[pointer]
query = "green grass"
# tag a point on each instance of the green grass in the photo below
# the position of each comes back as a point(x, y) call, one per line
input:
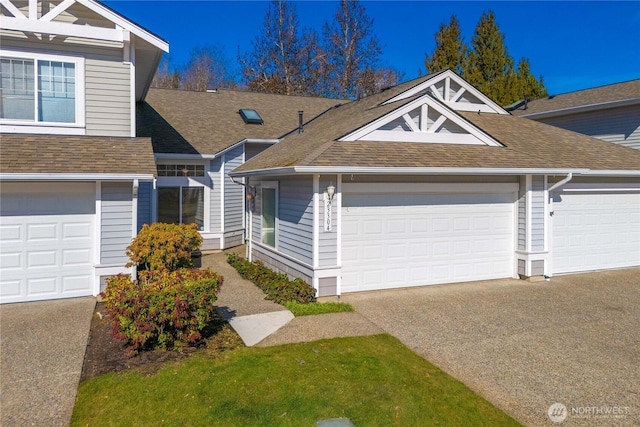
point(314, 308)
point(374, 381)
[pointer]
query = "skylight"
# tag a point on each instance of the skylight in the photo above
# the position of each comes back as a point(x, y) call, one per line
point(251, 116)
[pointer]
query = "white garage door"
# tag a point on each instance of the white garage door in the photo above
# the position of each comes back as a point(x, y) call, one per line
point(401, 240)
point(46, 240)
point(595, 231)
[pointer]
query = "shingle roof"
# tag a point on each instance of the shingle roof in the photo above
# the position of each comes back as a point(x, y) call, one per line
point(187, 122)
point(526, 144)
point(59, 154)
point(598, 95)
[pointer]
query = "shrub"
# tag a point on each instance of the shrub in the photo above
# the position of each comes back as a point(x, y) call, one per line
point(164, 246)
point(277, 286)
point(166, 309)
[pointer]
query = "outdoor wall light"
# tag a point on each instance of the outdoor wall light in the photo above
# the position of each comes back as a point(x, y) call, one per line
point(331, 190)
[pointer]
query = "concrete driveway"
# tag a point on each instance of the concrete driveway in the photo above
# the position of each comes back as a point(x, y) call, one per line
point(525, 346)
point(42, 349)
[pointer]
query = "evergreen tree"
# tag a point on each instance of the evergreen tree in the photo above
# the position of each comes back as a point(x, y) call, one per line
point(450, 51)
point(528, 85)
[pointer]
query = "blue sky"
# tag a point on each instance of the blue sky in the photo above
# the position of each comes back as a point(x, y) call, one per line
point(574, 44)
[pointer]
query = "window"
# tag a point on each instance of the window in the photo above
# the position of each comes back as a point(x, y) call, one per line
point(269, 213)
point(181, 205)
point(180, 170)
point(40, 90)
point(251, 116)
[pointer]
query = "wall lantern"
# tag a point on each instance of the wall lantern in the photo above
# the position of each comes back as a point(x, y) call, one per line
point(328, 199)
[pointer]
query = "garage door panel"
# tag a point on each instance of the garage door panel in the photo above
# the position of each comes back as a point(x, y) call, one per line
point(423, 239)
point(46, 241)
point(595, 231)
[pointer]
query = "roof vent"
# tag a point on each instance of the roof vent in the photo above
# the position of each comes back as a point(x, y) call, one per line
point(250, 116)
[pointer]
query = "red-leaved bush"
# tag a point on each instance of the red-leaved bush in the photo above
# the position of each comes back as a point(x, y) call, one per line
point(166, 309)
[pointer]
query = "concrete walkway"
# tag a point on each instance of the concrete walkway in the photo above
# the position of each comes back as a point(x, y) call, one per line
point(264, 323)
point(38, 376)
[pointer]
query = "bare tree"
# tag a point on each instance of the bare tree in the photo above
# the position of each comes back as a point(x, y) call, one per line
point(277, 62)
point(207, 69)
point(351, 49)
point(164, 77)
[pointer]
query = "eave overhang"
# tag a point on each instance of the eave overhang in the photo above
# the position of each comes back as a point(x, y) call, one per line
point(582, 109)
point(216, 155)
point(74, 177)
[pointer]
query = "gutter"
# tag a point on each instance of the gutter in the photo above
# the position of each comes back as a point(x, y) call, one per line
point(74, 177)
point(406, 171)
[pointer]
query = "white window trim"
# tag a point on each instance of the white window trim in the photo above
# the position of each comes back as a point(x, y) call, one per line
point(271, 185)
point(27, 126)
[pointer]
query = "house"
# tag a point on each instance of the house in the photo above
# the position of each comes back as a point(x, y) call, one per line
point(611, 112)
point(198, 138)
point(431, 182)
point(71, 164)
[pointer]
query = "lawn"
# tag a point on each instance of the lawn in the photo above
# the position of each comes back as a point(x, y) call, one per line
point(374, 381)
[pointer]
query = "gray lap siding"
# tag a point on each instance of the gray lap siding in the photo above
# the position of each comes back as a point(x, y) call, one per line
point(116, 222)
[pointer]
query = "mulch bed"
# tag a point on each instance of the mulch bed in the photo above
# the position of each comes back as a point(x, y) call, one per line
point(106, 354)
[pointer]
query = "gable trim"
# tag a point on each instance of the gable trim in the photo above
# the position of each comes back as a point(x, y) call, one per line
point(420, 133)
point(451, 100)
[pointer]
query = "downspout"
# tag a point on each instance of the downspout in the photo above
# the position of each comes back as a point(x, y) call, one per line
point(561, 182)
point(548, 236)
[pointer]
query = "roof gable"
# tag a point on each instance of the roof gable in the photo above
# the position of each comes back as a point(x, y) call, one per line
point(422, 120)
point(453, 91)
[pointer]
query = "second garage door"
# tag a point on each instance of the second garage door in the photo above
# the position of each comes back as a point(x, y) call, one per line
point(400, 240)
point(595, 231)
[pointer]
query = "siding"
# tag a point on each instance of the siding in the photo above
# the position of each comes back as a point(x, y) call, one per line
point(522, 215)
point(107, 98)
point(144, 203)
point(295, 218)
point(328, 240)
point(233, 193)
point(295, 213)
point(215, 213)
point(537, 213)
point(620, 125)
point(115, 223)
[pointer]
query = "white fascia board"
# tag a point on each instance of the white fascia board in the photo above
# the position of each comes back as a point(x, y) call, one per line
point(406, 171)
point(621, 173)
point(582, 108)
point(176, 156)
point(406, 108)
point(126, 24)
point(62, 29)
point(73, 177)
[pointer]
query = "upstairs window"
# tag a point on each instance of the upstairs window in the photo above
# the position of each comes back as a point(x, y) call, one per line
point(39, 90)
point(180, 170)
